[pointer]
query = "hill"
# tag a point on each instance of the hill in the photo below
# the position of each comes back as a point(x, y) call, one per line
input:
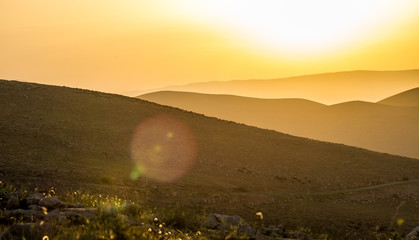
point(409, 98)
point(74, 139)
point(328, 88)
point(380, 126)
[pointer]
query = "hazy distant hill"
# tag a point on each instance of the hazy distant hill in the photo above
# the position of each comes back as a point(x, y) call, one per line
point(328, 88)
point(384, 126)
point(75, 139)
point(408, 98)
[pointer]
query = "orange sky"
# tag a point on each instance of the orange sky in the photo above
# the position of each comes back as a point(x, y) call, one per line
point(121, 46)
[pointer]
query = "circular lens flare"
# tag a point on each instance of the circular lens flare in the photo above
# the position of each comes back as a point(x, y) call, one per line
point(163, 148)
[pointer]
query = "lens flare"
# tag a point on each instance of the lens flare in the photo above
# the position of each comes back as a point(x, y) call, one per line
point(163, 148)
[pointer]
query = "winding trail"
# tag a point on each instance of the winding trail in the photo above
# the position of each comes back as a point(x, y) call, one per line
point(319, 193)
point(367, 188)
point(314, 193)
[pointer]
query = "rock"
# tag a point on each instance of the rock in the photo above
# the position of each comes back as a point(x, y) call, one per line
point(34, 199)
point(273, 231)
point(246, 229)
point(73, 215)
point(75, 205)
point(219, 221)
point(13, 202)
point(51, 203)
point(29, 231)
point(413, 235)
point(35, 208)
point(225, 222)
point(25, 215)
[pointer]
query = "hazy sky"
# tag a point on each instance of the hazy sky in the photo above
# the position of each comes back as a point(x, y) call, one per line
point(120, 46)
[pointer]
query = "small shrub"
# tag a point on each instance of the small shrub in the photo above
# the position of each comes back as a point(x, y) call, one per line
point(5, 189)
point(181, 219)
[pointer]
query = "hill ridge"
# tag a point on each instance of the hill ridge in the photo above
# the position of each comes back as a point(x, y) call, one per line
point(408, 98)
point(342, 86)
point(357, 123)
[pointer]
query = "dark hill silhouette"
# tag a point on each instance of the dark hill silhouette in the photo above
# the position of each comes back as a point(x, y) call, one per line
point(76, 139)
point(409, 98)
point(328, 88)
point(374, 126)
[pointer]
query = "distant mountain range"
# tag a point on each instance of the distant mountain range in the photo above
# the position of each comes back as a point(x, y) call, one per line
point(390, 125)
point(328, 88)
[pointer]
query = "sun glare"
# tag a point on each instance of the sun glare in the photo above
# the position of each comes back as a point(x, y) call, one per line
point(297, 26)
point(163, 148)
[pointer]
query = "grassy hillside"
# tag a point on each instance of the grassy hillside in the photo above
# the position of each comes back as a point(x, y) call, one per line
point(341, 86)
point(384, 126)
point(75, 139)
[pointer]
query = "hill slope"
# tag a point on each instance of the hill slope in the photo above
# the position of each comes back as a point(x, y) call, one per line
point(379, 126)
point(341, 86)
point(409, 98)
point(76, 139)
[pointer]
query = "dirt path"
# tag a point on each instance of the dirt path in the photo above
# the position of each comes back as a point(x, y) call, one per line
point(360, 189)
point(367, 188)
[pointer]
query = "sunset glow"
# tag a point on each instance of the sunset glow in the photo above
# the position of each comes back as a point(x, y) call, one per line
point(132, 45)
point(299, 27)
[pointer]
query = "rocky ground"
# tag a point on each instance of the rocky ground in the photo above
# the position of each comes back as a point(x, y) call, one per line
point(44, 216)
